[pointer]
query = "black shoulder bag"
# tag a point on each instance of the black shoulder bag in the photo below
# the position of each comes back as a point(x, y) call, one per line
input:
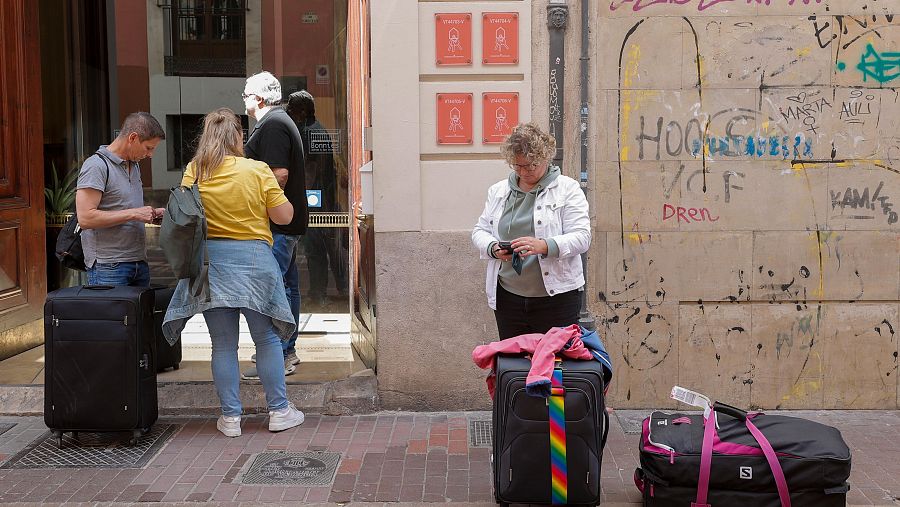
point(68, 243)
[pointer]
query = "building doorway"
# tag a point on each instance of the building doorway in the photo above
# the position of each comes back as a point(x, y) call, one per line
point(179, 59)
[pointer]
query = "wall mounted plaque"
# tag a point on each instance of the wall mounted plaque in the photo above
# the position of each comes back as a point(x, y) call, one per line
point(453, 39)
point(500, 38)
point(454, 118)
point(500, 113)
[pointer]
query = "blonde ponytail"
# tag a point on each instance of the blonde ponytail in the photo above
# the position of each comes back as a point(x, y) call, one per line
point(222, 136)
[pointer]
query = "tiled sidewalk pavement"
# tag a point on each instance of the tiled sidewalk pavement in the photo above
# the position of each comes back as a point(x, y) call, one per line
point(388, 457)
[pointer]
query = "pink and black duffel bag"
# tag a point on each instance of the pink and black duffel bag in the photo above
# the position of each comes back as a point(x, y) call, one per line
point(751, 459)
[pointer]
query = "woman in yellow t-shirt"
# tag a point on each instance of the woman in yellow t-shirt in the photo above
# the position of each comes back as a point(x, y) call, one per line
point(239, 196)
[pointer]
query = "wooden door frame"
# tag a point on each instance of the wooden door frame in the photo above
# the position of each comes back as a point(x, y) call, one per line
point(363, 302)
point(21, 154)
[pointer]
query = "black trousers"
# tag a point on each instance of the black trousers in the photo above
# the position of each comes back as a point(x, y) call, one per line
point(521, 315)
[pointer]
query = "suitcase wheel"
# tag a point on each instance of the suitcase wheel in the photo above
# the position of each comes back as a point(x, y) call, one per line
point(136, 435)
point(175, 367)
point(58, 436)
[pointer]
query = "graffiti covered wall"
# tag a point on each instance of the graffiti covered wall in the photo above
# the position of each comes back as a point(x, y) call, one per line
point(746, 200)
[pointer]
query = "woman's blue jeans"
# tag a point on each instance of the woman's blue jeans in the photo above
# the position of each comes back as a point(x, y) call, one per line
point(223, 325)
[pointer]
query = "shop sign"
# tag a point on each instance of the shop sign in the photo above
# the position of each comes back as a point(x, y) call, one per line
point(500, 113)
point(454, 118)
point(453, 39)
point(310, 18)
point(324, 141)
point(500, 38)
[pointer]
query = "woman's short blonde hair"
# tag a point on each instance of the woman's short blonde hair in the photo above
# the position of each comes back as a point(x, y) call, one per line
point(529, 140)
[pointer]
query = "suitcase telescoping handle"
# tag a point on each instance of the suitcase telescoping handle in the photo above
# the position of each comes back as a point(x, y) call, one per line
point(709, 432)
point(740, 415)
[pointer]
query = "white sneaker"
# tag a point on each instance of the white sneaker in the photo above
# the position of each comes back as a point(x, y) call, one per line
point(230, 426)
point(288, 417)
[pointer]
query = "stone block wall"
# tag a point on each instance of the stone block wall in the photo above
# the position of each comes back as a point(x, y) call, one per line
point(747, 199)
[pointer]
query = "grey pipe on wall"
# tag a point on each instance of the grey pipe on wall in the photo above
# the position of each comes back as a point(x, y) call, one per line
point(585, 319)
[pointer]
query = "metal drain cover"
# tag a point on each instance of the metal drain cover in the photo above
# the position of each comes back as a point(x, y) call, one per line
point(480, 433)
point(293, 468)
point(92, 450)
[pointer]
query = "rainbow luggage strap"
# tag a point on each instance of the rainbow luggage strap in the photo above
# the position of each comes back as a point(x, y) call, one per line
point(558, 465)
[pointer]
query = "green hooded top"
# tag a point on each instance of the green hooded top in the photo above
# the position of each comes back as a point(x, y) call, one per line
point(517, 221)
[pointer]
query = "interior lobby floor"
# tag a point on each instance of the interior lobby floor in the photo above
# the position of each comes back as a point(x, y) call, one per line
point(323, 347)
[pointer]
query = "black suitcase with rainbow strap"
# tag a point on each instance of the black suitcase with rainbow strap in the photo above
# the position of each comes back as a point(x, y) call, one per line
point(549, 450)
point(750, 459)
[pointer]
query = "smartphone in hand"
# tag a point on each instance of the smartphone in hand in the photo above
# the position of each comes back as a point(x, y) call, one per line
point(506, 246)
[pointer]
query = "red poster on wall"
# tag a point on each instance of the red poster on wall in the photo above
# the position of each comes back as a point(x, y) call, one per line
point(454, 118)
point(500, 113)
point(453, 39)
point(500, 38)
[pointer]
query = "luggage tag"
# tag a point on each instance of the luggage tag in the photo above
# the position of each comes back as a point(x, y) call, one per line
point(694, 399)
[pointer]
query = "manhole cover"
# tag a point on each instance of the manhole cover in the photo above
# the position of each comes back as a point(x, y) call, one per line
point(480, 433)
point(4, 427)
point(292, 468)
point(92, 450)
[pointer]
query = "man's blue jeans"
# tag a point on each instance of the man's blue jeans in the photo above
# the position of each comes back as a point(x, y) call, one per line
point(223, 325)
point(135, 274)
point(285, 249)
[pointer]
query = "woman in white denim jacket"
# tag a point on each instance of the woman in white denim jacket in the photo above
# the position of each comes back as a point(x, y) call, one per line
point(533, 283)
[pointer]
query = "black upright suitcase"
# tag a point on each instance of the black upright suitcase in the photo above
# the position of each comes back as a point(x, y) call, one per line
point(167, 356)
point(521, 434)
point(99, 350)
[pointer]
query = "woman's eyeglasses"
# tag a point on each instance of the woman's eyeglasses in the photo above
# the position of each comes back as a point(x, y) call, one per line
point(526, 167)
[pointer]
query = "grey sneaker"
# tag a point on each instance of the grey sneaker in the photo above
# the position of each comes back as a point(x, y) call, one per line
point(252, 374)
point(230, 426)
point(293, 355)
point(288, 417)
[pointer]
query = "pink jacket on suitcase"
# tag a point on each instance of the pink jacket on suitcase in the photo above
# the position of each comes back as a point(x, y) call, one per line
point(543, 347)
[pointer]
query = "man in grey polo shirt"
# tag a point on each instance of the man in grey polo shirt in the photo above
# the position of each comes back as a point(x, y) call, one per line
point(109, 203)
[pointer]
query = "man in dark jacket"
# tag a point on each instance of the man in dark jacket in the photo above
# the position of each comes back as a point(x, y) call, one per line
point(323, 246)
point(275, 140)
